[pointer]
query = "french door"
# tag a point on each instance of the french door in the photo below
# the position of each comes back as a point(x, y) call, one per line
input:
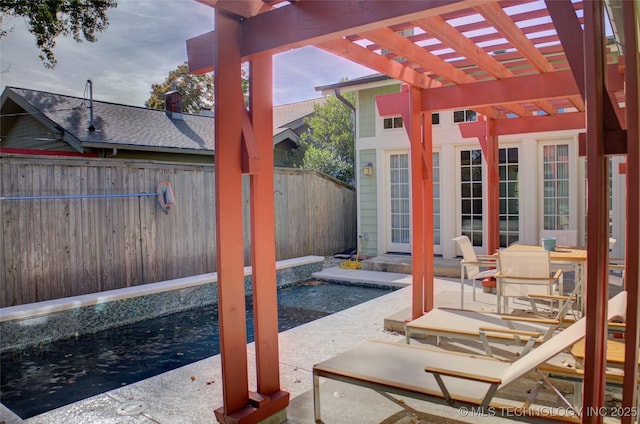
point(398, 203)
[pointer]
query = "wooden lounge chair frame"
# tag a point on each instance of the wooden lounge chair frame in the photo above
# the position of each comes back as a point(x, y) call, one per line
point(431, 374)
point(576, 376)
point(488, 327)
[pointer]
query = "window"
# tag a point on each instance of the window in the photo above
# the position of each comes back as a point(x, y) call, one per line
point(556, 187)
point(399, 196)
point(610, 201)
point(395, 122)
point(464, 116)
point(436, 197)
point(435, 119)
point(509, 196)
point(471, 195)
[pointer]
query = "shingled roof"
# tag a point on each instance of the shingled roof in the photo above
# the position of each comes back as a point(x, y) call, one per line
point(131, 127)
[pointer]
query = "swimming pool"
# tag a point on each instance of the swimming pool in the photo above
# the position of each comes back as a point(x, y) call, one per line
point(41, 378)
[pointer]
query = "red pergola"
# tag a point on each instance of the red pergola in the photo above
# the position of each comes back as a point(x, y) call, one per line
point(527, 66)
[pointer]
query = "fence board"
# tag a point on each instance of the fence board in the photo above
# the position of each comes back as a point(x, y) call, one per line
point(66, 247)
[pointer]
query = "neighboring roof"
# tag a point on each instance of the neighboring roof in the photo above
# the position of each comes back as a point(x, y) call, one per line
point(132, 127)
point(284, 116)
point(116, 125)
point(367, 79)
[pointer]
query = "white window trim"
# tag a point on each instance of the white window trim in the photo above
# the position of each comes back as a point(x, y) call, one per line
point(573, 183)
point(393, 128)
point(458, 206)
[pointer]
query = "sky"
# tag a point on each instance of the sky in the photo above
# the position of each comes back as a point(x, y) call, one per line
point(145, 40)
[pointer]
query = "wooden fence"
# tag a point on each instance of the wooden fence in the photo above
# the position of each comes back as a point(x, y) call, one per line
point(56, 248)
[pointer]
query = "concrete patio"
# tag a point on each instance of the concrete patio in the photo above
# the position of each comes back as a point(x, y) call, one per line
point(191, 393)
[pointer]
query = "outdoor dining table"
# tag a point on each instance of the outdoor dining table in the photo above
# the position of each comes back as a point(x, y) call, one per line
point(574, 256)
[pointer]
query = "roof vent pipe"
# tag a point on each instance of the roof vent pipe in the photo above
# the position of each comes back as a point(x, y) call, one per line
point(90, 86)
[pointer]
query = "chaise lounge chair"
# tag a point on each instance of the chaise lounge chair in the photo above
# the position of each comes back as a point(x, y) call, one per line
point(431, 374)
point(488, 327)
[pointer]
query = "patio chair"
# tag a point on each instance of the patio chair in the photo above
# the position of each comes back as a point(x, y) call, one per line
point(430, 374)
point(487, 327)
point(471, 266)
point(523, 274)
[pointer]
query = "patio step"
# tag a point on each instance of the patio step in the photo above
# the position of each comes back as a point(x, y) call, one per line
point(399, 263)
point(360, 276)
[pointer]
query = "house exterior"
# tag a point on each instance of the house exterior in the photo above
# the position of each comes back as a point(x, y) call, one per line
point(542, 181)
point(37, 121)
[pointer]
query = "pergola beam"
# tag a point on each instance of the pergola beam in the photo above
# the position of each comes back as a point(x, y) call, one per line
point(244, 8)
point(388, 39)
point(562, 121)
point(495, 15)
point(313, 21)
point(569, 31)
point(527, 88)
point(358, 54)
point(392, 105)
point(463, 45)
point(571, 36)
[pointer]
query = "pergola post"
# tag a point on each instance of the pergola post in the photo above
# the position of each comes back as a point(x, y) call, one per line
point(420, 139)
point(229, 228)
point(632, 253)
point(598, 213)
point(493, 188)
point(263, 244)
point(244, 146)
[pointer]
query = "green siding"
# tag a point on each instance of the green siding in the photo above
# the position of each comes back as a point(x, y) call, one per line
point(26, 132)
point(367, 108)
point(368, 204)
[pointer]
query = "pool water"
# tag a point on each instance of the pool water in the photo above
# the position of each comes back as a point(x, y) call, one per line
point(51, 375)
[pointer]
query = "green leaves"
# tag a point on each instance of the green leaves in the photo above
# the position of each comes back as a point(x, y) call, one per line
point(197, 90)
point(49, 19)
point(329, 141)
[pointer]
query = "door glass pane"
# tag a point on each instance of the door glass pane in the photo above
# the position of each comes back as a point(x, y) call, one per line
point(471, 195)
point(509, 196)
point(556, 187)
point(435, 159)
point(399, 192)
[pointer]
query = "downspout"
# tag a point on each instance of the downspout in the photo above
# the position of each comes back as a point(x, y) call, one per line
point(340, 97)
point(343, 100)
point(354, 180)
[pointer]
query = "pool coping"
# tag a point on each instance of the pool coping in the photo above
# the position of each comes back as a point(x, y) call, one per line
point(33, 323)
point(32, 310)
